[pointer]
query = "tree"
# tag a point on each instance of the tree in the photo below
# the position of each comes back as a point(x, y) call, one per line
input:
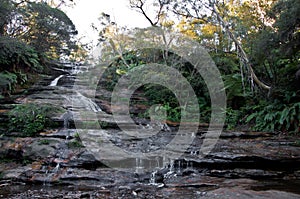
point(287, 22)
point(29, 33)
point(48, 29)
point(243, 36)
point(6, 13)
point(214, 14)
point(277, 47)
point(159, 7)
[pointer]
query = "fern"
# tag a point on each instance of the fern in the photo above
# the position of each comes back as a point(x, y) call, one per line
point(276, 117)
point(7, 82)
point(18, 54)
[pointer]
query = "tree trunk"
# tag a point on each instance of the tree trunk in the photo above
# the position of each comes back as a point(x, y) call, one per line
point(241, 50)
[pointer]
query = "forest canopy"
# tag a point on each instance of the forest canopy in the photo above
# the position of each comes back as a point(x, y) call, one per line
point(255, 45)
point(32, 33)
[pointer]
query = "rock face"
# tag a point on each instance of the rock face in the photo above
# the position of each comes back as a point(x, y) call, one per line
point(258, 166)
point(241, 165)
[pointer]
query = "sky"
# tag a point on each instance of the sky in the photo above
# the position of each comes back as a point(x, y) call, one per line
point(86, 12)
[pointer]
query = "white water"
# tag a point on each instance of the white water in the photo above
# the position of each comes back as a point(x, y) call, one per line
point(80, 101)
point(139, 168)
point(153, 178)
point(88, 103)
point(54, 82)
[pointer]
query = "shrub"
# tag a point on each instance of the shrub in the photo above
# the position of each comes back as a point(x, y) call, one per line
point(279, 115)
point(75, 144)
point(29, 119)
point(7, 82)
point(16, 55)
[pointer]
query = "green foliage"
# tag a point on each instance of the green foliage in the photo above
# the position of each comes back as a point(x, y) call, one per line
point(77, 136)
point(44, 142)
point(154, 93)
point(16, 55)
point(286, 13)
point(173, 113)
point(7, 82)
point(51, 30)
point(75, 144)
point(234, 86)
point(233, 118)
point(29, 119)
point(276, 116)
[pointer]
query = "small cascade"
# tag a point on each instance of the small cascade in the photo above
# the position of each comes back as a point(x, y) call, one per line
point(179, 166)
point(79, 101)
point(172, 166)
point(139, 167)
point(88, 103)
point(194, 153)
point(55, 171)
point(152, 180)
point(155, 125)
point(171, 169)
point(76, 69)
point(55, 81)
point(67, 117)
point(51, 174)
point(190, 165)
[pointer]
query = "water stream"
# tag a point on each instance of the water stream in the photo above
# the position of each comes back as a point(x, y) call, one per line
point(55, 81)
point(163, 171)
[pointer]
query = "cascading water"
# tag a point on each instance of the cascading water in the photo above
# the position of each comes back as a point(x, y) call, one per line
point(78, 100)
point(139, 168)
point(152, 180)
point(55, 81)
point(51, 173)
point(75, 101)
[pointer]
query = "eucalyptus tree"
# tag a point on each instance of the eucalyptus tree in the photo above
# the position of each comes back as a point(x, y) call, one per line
point(219, 19)
point(32, 32)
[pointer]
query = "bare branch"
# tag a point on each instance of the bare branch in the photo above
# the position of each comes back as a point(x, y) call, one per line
point(139, 5)
point(241, 50)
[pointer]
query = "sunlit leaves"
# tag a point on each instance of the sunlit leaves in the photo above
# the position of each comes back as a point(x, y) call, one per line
point(47, 29)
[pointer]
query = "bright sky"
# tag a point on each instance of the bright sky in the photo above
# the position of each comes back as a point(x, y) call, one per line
point(86, 12)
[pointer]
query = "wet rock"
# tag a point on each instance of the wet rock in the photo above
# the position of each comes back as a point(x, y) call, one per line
point(221, 174)
point(14, 173)
point(61, 133)
point(247, 173)
point(41, 148)
point(13, 149)
point(241, 194)
point(84, 160)
point(245, 135)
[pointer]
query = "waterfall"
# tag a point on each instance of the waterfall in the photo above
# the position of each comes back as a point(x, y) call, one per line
point(51, 174)
point(139, 168)
point(87, 102)
point(152, 180)
point(54, 82)
point(56, 169)
point(79, 101)
point(171, 170)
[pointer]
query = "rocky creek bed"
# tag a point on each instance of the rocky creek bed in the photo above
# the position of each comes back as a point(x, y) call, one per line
point(251, 167)
point(57, 164)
